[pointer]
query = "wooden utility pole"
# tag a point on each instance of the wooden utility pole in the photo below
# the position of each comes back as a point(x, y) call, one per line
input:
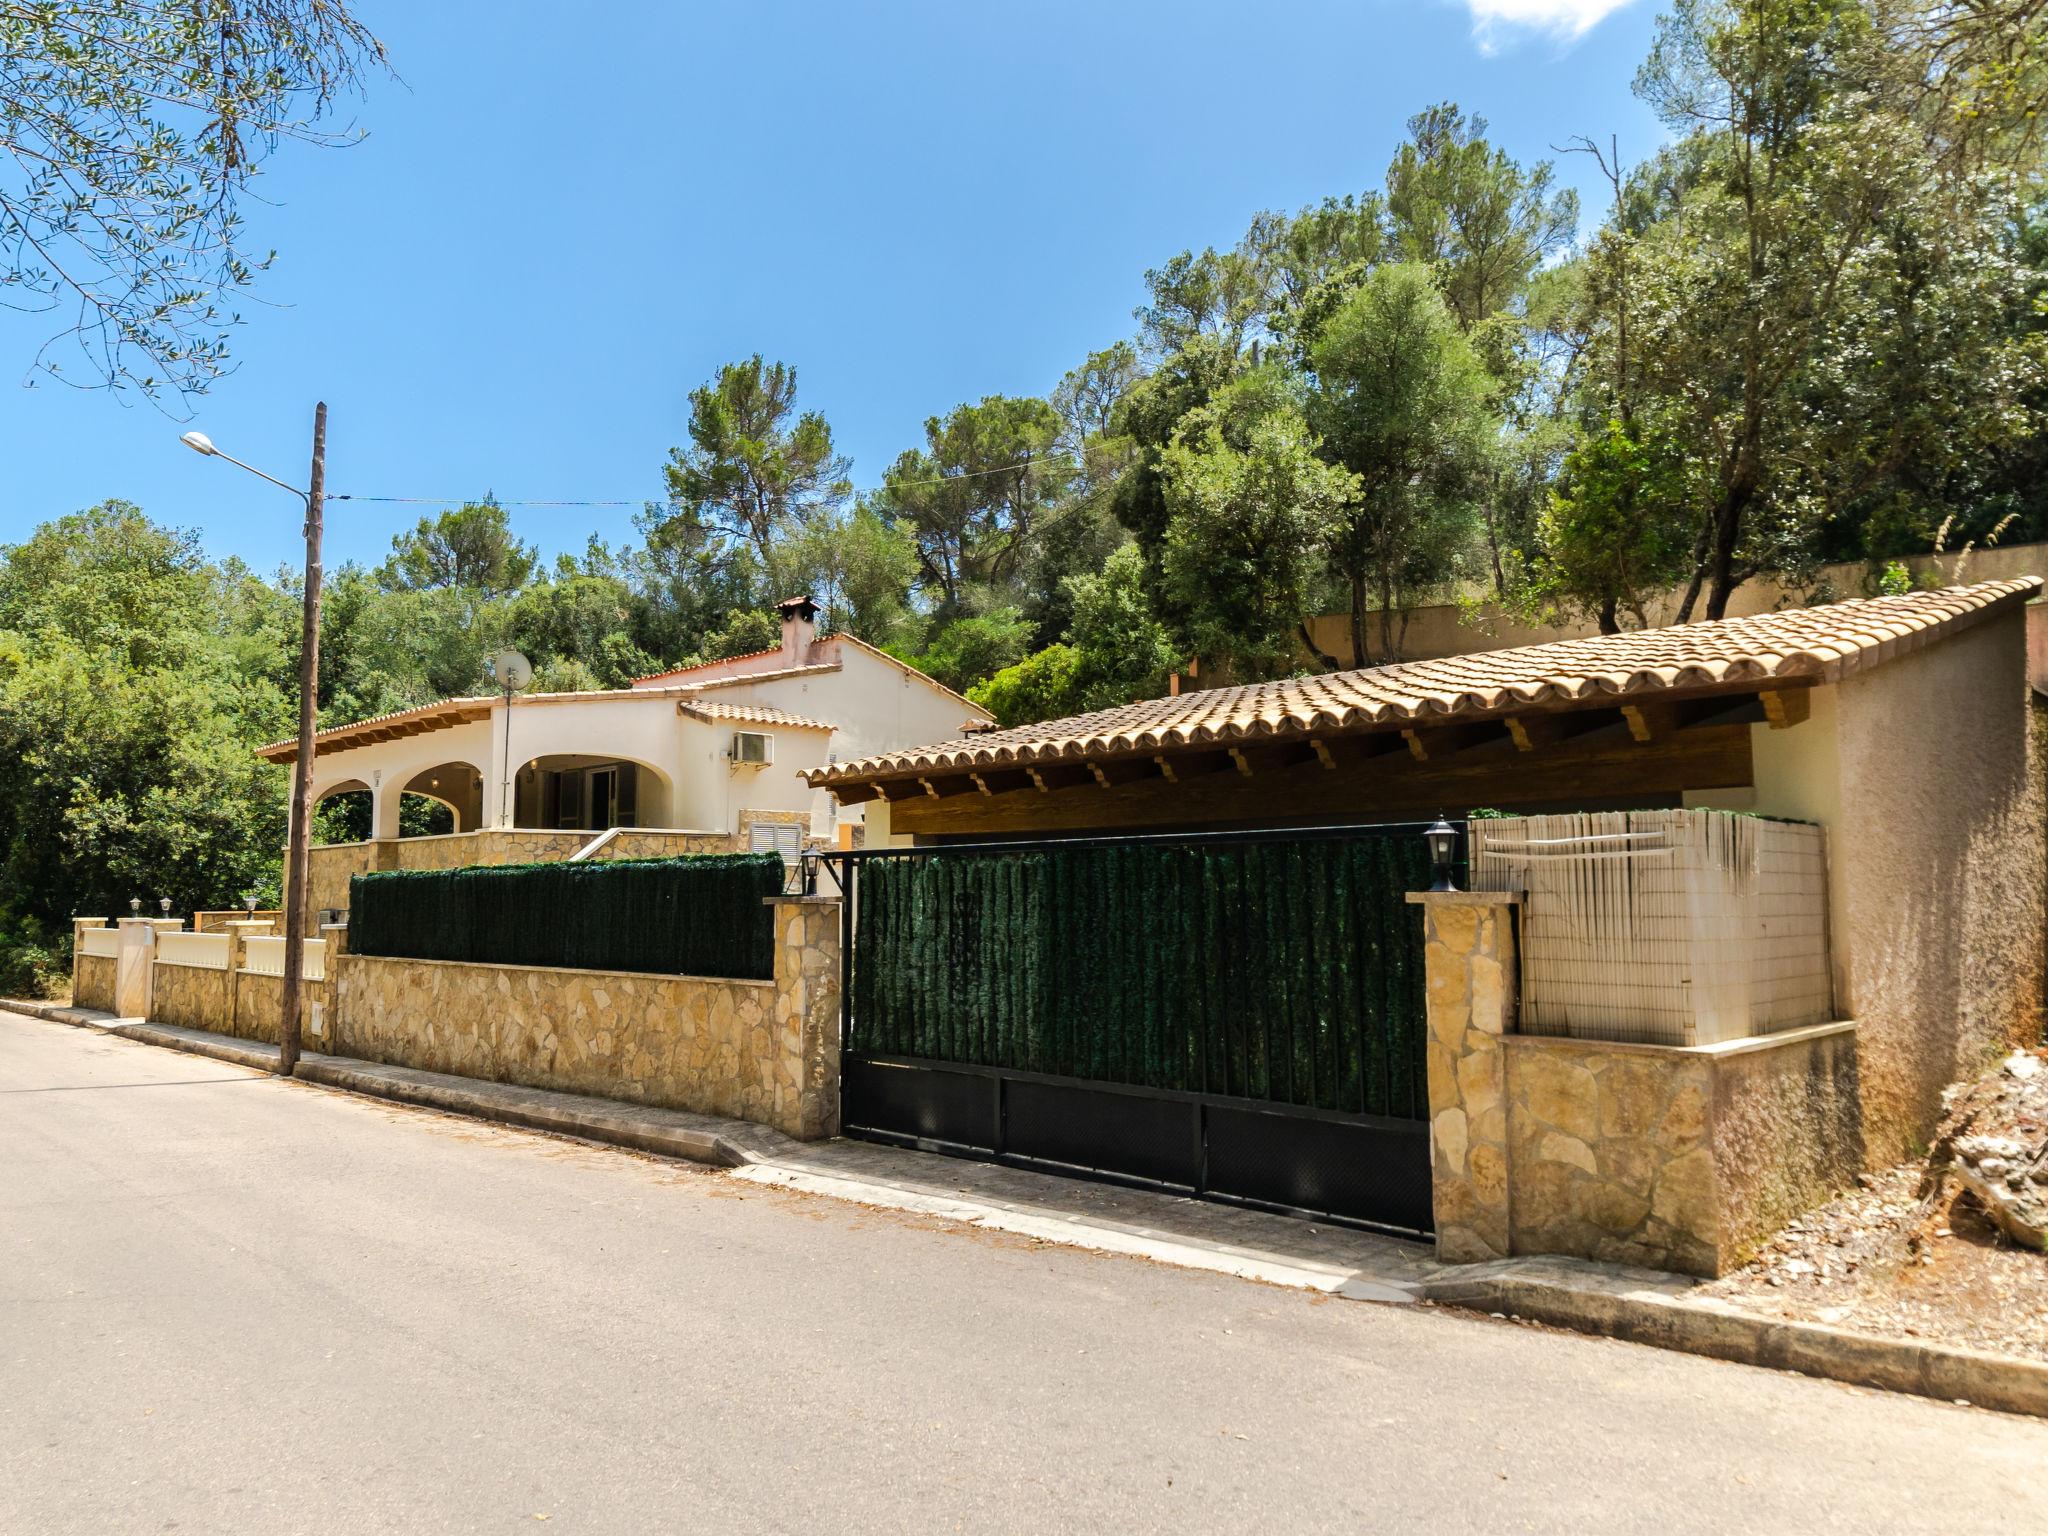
point(298, 861)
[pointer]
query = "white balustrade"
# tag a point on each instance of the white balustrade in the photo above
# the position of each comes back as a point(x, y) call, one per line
point(103, 942)
point(266, 958)
point(202, 951)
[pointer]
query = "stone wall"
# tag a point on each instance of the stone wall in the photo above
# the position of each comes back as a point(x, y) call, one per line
point(189, 996)
point(765, 1051)
point(92, 982)
point(259, 1010)
point(1683, 1158)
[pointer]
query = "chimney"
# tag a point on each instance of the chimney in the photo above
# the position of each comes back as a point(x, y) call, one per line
point(799, 629)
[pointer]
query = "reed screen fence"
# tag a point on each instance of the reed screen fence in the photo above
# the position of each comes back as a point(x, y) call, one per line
point(701, 916)
point(1288, 970)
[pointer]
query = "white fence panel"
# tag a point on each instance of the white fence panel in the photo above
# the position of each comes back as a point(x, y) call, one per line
point(202, 951)
point(266, 958)
point(103, 942)
point(1664, 927)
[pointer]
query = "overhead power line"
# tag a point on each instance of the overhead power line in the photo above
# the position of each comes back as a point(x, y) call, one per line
point(427, 501)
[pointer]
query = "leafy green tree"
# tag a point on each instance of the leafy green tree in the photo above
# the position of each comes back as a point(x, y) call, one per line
point(1480, 221)
point(132, 132)
point(860, 567)
point(1403, 403)
point(131, 702)
point(472, 547)
point(1815, 250)
point(756, 469)
point(1123, 650)
point(973, 495)
point(1618, 531)
point(1252, 509)
point(1040, 687)
point(967, 650)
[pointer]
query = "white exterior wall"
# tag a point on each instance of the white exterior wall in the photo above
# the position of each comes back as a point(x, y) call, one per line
point(873, 705)
point(385, 768)
point(689, 784)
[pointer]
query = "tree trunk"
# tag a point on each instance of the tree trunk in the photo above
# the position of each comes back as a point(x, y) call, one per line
point(1699, 573)
point(1390, 649)
point(1727, 532)
point(1323, 659)
point(1358, 620)
point(1609, 625)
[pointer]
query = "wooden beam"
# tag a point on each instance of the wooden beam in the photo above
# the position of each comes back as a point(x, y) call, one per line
point(1038, 779)
point(1647, 722)
point(1323, 753)
point(1786, 707)
point(946, 786)
point(1123, 770)
point(1532, 732)
point(856, 794)
point(1431, 743)
point(1596, 769)
point(1244, 764)
point(1003, 781)
point(1179, 767)
point(1051, 776)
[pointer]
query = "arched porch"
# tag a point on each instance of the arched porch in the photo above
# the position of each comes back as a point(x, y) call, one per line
point(589, 793)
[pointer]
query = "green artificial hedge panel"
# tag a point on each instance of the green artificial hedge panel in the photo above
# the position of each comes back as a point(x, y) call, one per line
point(699, 916)
point(1289, 971)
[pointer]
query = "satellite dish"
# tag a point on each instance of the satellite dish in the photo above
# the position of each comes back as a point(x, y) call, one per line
point(512, 670)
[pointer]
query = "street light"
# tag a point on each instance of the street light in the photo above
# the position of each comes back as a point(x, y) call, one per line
point(297, 855)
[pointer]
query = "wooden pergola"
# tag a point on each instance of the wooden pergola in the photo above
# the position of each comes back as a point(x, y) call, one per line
point(1647, 750)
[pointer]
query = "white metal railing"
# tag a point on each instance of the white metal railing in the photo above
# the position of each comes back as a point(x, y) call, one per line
point(265, 957)
point(103, 942)
point(1663, 927)
point(203, 951)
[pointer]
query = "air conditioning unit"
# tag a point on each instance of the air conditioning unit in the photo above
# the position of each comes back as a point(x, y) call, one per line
point(753, 747)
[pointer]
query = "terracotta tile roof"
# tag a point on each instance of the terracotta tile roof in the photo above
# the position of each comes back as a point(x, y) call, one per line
point(817, 646)
point(1816, 644)
point(402, 722)
point(751, 714)
point(701, 666)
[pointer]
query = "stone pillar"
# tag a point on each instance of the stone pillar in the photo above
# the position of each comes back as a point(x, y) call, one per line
point(78, 927)
point(1469, 944)
point(807, 1005)
point(133, 966)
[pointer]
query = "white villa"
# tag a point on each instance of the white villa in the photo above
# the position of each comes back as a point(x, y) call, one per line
point(720, 749)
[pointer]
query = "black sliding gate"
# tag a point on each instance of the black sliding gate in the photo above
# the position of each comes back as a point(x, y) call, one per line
point(1237, 1016)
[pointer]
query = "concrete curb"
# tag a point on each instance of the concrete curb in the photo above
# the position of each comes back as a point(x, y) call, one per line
point(1812, 1349)
point(666, 1132)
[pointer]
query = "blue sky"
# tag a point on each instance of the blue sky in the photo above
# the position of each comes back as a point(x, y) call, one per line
point(550, 236)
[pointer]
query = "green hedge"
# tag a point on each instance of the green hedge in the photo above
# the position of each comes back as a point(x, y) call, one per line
point(702, 916)
point(1288, 971)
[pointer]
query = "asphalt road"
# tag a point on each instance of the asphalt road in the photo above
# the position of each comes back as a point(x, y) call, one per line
point(233, 1304)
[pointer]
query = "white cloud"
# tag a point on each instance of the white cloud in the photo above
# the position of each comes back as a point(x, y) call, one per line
point(1565, 20)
